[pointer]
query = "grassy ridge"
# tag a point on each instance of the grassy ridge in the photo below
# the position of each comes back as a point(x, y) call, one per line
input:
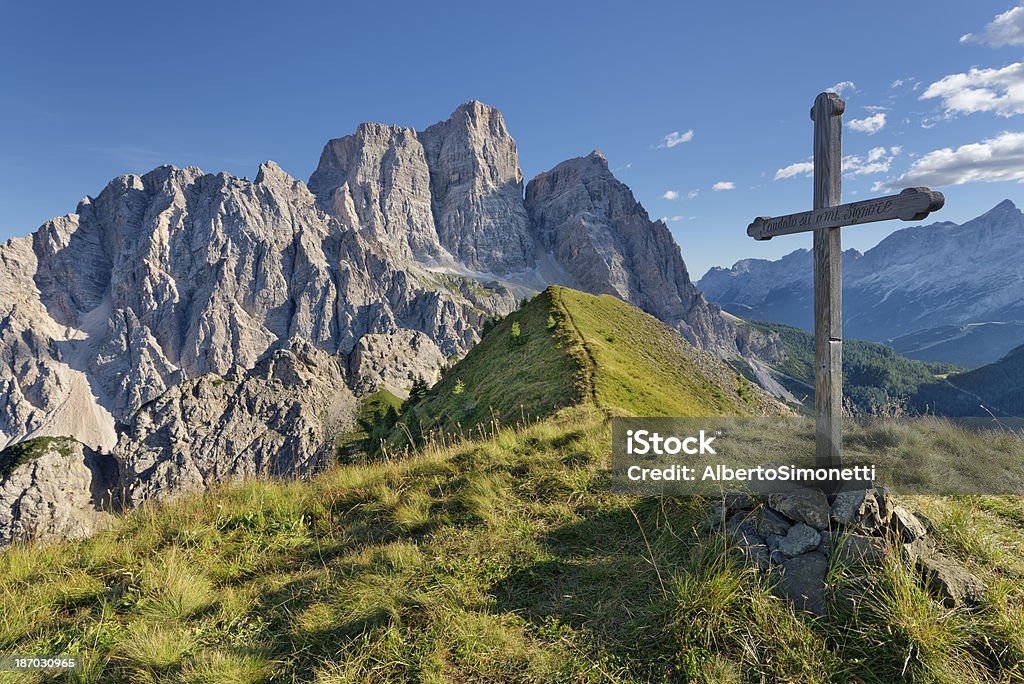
point(500, 560)
point(503, 377)
point(566, 347)
point(641, 367)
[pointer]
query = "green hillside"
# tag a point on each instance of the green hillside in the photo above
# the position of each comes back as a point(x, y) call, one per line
point(566, 347)
point(873, 374)
point(996, 389)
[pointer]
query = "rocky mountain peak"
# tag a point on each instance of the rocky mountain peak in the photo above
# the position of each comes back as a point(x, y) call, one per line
point(271, 174)
point(482, 116)
point(593, 225)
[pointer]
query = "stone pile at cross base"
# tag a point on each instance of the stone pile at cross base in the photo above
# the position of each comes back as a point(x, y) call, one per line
point(797, 536)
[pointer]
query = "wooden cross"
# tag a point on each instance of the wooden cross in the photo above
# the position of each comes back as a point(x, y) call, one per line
point(825, 219)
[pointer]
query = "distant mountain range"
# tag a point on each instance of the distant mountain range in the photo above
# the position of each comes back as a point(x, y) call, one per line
point(941, 292)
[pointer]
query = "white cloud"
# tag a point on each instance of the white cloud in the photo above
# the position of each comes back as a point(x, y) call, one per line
point(799, 168)
point(870, 124)
point(897, 83)
point(995, 159)
point(838, 88)
point(723, 185)
point(877, 160)
point(1006, 29)
point(670, 195)
point(875, 154)
point(692, 194)
point(981, 90)
point(672, 219)
point(676, 138)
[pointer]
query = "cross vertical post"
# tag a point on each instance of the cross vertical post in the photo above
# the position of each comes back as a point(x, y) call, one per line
point(825, 220)
point(827, 115)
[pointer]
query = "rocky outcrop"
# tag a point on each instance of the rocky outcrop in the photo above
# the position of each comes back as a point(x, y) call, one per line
point(597, 231)
point(394, 361)
point(377, 179)
point(451, 195)
point(279, 418)
point(176, 274)
point(798, 535)
point(59, 488)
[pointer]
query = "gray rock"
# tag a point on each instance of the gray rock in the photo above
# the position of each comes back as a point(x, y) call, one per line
point(802, 581)
point(64, 492)
point(917, 549)
point(771, 522)
point(808, 506)
point(477, 191)
point(799, 540)
point(827, 543)
point(394, 361)
point(279, 418)
point(774, 541)
point(857, 507)
point(177, 273)
point(906, 525)
point(858, 549)
point(951, 582)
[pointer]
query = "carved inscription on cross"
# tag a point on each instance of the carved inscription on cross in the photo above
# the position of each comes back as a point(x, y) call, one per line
point(825, 220)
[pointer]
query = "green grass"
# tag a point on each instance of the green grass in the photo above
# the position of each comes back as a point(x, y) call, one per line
point(505, 559)
point(31, 449)
point(641, 367)
point(576, 348)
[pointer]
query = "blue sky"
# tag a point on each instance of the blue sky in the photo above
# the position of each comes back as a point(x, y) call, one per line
point(93, 90)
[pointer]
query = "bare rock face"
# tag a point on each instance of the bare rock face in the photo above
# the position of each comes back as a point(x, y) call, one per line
point(63, 491)
point(607, 243)
point(378, 179)
point(449, 196)
point(176, 274)
point(477, 189)
point(279, 418)
point(394, 361)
